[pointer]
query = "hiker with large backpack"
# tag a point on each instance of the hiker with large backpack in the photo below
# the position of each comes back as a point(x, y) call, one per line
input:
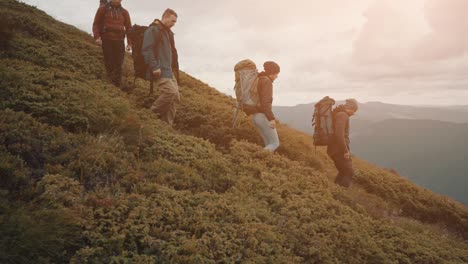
point(160, 55)
point(254, 93)
point(332, 130)
point(111, 24)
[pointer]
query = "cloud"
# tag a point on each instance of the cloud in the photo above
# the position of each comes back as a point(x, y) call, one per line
point(449, 33)
point(402, 56)
point(385, 50)
point(389, 37)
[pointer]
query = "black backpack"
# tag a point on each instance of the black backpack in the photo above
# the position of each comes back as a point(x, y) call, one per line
point(140, 67)
point(322, 121)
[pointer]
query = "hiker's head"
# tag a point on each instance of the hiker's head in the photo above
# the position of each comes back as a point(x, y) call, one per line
point(272, 69)
point(115, 2)
point(169, 18)
point(351, 106)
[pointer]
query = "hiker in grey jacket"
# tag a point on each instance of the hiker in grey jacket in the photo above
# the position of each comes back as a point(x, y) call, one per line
point(263, 117)
point(338, 149)
point(161, 56)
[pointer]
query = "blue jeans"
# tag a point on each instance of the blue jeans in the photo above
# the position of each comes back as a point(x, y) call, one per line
point(268, 134)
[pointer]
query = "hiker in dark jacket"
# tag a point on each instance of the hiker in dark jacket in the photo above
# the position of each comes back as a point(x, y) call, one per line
point(111, 25)
point(263, 117)
point(338, 149)
point(161, 56)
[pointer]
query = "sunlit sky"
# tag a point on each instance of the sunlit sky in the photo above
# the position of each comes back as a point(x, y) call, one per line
point(393, 51)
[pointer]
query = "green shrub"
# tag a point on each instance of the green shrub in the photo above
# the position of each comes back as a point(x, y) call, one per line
point(88, 174)
point(37, 235)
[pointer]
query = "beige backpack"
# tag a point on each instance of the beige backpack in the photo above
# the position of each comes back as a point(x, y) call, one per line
point(246, 77)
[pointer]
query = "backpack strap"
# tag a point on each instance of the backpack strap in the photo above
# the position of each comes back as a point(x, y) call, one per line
point(108, 8)
point(313, 117)
point(158, 43)
point(151, 86)
point(159, 40)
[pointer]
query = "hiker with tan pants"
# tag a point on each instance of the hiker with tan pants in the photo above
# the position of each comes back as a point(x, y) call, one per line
point(161, 57)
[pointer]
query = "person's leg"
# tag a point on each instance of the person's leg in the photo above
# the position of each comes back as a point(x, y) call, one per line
point(172, 107)
point(339, 175)
point(272, 138)
point(168, 97)
point(257, 121)
point(345, 170)
point(119, 51)
point(269, 135)
point(107, 53)
point(113, 60)
point(348, 172)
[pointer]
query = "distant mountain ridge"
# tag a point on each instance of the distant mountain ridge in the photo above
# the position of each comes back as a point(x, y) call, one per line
point(377, 111)
point(425, 144)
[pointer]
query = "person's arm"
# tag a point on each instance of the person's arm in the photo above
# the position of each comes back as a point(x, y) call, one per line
point(175, 59)
point(265, 93)
point(175, 65)
point(341, 119)
point(98, 20)
point(149, 41)
point(128, 27)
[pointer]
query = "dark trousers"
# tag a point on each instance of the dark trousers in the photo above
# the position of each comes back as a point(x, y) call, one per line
point(114, 52)
point(345, 170)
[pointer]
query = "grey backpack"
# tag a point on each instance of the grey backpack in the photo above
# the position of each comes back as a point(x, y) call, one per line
point(322, 121)
point(246, 77)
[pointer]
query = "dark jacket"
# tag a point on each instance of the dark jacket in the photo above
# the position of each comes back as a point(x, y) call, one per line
point(112, 23)
point(159, 50)
point(339, 144)
point(265, 95)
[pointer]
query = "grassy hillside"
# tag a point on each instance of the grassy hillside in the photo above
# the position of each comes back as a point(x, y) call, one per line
point(89, 175)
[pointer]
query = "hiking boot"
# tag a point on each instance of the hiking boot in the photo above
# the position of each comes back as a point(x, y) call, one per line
point(338, 179)
point(344, 181)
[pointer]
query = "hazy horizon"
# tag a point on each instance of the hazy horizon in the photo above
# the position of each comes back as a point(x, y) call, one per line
point(380, 102)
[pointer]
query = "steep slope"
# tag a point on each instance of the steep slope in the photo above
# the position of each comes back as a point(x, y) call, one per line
point(88, 174)
point(430, 153)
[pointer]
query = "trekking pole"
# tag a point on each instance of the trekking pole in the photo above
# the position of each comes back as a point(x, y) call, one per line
point(236, 117)
point(151, 86)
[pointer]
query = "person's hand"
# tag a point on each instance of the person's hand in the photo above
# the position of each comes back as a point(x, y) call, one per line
point(157, 73)
point(347, 155)
point(99, 41)
point(272, 124)
point(129, 47)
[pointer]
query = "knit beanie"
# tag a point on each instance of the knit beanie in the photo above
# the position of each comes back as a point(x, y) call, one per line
point(271, 68)
point(352, 104)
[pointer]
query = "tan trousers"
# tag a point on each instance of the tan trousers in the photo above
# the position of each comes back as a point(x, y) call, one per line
point(166, 104)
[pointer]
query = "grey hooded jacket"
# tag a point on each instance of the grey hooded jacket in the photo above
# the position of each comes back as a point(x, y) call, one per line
point(159, 50)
